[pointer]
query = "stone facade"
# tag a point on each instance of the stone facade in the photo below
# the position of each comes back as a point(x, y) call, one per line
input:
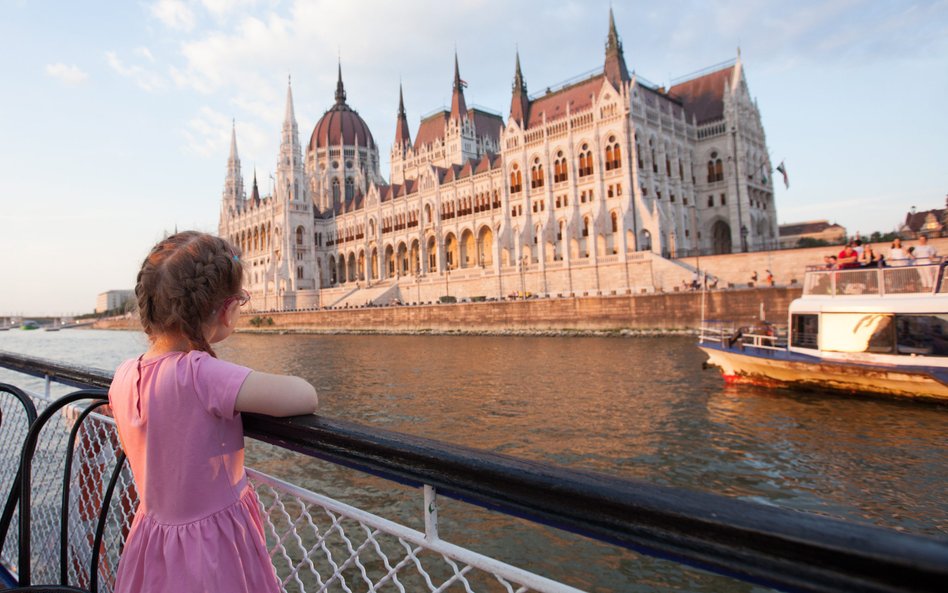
point(580, 191)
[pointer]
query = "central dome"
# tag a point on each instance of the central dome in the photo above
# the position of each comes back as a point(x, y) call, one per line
point(341, 125)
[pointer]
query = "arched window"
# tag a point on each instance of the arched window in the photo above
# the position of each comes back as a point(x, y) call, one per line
point(536, 174)
point(638, 151)
point(335, 190)
point(350, 188)
point(710, 171)
point(615, 222)
point(651, 147)
point(612, 154)
point(559, 168)
point(718, 170)
point(299, 235)
point(516, 179)
point(585, 161)
point(585, 226)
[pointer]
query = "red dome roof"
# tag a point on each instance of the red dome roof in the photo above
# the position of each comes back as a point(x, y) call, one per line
point(341, 125)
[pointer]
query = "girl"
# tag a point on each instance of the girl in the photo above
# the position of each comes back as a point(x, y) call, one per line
point(177, 409)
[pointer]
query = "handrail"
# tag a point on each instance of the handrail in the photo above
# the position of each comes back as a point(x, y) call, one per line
point(777, 547)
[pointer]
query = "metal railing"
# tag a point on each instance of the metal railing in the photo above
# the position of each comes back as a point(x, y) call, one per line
point(875, 281)
point(766, 337)
point(316, 541)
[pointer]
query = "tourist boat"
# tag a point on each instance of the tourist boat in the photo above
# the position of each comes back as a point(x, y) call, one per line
point(864, 330)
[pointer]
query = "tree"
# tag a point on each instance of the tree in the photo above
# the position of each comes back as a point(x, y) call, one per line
point(811, 242)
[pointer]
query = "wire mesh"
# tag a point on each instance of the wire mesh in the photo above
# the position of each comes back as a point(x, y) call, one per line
point(316, 543)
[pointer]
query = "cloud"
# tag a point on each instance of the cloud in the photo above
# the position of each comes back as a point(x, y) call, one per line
point(174, 14)
point(145, 53)
point(147, 80)
point(207, 134)
point(222, 8)
point(70, 75)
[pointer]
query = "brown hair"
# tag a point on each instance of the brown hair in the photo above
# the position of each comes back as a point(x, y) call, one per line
point(182, 283)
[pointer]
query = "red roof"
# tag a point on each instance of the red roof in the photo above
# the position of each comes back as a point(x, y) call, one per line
point(704, 96)
point(578, 96)
point(432, 127)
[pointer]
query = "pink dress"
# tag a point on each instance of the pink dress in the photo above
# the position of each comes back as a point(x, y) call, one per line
point(198, 526)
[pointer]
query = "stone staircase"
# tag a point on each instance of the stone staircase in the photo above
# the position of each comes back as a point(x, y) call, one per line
point(377, 294)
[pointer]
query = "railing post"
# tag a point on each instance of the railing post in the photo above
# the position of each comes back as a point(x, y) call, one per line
point(48, 387)
point(431, 513)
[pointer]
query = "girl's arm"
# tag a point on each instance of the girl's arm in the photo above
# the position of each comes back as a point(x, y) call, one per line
point(276, 395)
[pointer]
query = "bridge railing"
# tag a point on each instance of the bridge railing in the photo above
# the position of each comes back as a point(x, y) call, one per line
point(321, 544)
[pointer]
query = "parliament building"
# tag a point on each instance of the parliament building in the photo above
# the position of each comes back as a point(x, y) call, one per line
point(593, 188)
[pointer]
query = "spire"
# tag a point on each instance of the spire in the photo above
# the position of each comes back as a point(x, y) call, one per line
point(290, 114)
point(402, 136)
point(340, 89)
point(458, 106)
point(615, 70)
point(255, 192)
point(233, 142)
point(519, 103)
point(233, 183)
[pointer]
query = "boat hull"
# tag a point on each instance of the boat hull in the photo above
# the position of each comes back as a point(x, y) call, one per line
point(779, 368)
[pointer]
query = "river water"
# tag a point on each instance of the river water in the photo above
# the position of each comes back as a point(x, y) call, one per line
point(635, 407)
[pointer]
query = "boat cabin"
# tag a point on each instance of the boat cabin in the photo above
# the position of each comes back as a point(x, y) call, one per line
point(893, 312)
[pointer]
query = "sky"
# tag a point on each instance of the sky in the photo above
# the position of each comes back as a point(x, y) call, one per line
point(115, 117)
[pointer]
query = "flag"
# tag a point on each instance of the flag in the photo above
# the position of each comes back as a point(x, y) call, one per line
point(783, 171)
point(463, 83)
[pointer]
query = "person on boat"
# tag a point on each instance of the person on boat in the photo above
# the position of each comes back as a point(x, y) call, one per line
point(847, 258)
point(923, 251)
point(829, 262)
point(178, 410)
point(898, 256)
point(869, 257)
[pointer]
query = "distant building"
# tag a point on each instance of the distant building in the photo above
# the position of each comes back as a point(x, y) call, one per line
point(817, 230)
point(568, 194)
point(931, 223)
point(113, 299)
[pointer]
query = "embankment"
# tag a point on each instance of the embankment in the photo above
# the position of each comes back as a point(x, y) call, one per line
point(648, 312)
point(662, 312)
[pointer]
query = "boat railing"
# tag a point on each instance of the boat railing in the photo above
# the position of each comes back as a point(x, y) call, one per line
point(762, 335)
point(878, 281)
point(321, 544)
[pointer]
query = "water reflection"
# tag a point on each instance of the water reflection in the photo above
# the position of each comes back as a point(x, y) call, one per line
point(639, 408)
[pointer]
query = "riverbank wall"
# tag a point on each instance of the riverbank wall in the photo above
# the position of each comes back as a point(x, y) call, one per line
point(662, 312)
point(655, 312)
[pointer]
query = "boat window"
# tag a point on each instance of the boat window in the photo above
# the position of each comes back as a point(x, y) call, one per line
point(805, 331)
point(858, 332)
point(922, 334)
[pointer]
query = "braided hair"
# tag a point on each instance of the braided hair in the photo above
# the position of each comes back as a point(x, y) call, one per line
point(183, 282)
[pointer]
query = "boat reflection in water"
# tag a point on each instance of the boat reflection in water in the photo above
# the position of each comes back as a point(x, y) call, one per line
point(870, 330)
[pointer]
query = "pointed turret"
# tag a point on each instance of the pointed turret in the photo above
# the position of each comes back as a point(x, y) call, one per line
point(233, 158)
point(255, 192)
point(519, 103)
point(402, 136)
point(233, 184)
point(340, 89)
point(458, 106)
point(290, 166)
point(615, 70)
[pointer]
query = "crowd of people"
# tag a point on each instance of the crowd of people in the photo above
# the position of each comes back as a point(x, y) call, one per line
point(857, 255)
